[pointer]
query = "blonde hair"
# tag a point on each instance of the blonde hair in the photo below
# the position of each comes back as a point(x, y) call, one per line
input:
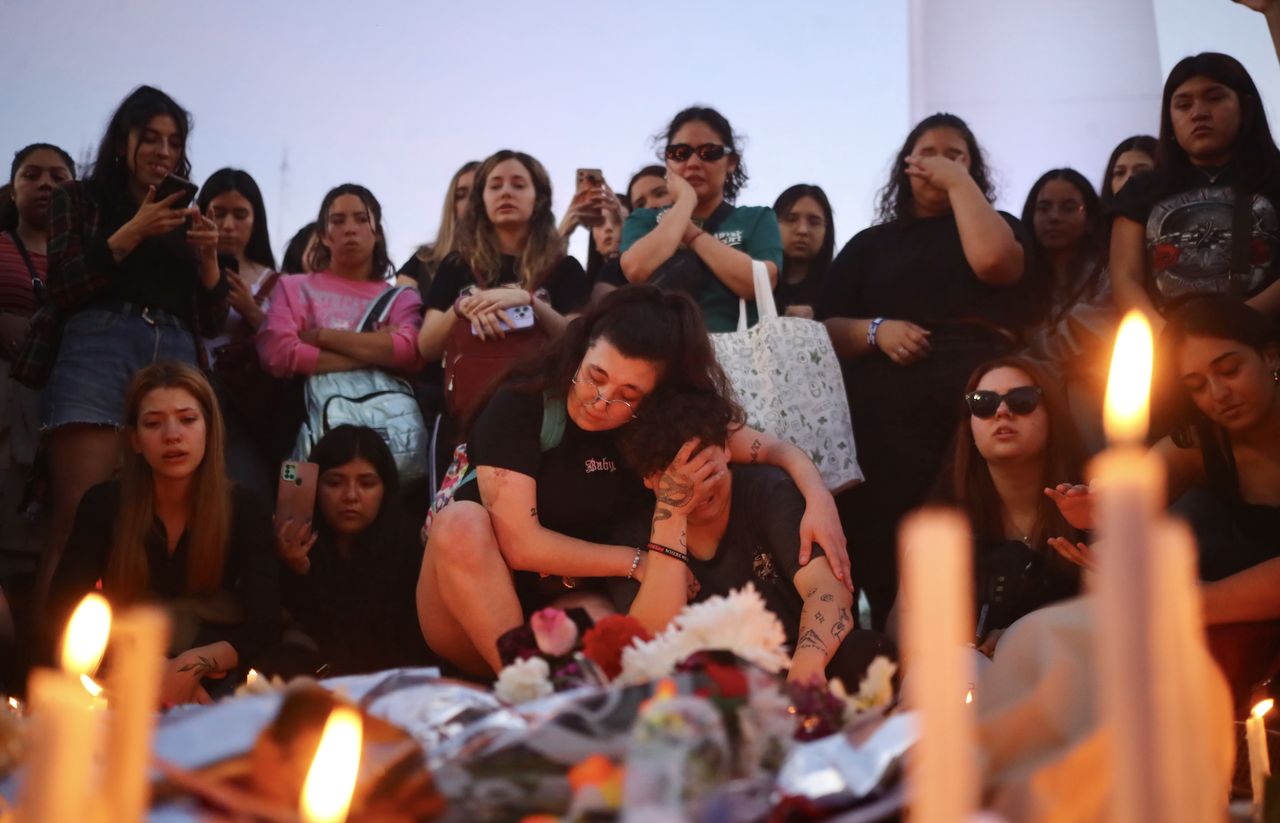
point(433, 253)
point(209, 524)
point(478, 241)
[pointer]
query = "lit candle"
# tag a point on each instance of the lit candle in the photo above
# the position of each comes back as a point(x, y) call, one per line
point(139, 640)
point(1259, 757)
point(937, 599)
point(331, 780)
point(1149, 629)
point(59, 777)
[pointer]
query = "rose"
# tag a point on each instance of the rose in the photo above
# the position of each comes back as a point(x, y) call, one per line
point(524, 680)
point(604, 643)
point(555, 633)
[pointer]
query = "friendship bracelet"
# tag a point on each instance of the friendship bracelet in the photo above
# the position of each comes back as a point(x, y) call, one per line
point(635, 564)
point(871, 331)
point(669, 552)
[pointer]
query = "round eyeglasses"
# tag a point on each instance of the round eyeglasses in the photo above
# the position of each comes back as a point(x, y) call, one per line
point(608, 404)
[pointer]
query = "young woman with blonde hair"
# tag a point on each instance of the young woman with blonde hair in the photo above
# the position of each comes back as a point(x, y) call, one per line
point(144, 538)
point(420, 269)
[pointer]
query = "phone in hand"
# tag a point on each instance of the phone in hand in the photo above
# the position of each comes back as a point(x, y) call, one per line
point(590, 179)
point(173, 184)
point(296, 491)
point(521, 317)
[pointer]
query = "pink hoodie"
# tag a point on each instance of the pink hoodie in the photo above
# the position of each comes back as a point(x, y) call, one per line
point(326, 301)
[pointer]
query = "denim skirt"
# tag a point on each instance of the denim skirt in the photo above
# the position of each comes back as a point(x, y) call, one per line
point(102, 347)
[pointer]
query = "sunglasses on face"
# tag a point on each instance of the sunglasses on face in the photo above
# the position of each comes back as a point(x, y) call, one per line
point(707, 152)
point(984, 404)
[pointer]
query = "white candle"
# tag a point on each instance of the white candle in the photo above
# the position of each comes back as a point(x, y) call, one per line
point(1259, 757)
point(331, 780)
point(138, 643)
point(59, 782)
point(937, 617)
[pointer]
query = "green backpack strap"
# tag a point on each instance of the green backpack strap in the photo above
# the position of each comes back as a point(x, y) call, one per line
point(554, 412)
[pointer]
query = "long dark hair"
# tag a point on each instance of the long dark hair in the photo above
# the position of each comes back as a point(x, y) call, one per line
point(967, 482)
point(1212, 315)
point(1254, 154)
point(1144, 143)
point(789, 198)
point(642, 322)
point(340, 446)
point(648, 171)
point(896, 201)
point(1090, 244)
point(109, 173)
point(8, 208)
point(292, 263)
point(320, 255)
point(227, 180)
point(736, 179)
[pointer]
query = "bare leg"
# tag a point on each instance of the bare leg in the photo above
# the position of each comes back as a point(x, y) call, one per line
point(80, 457)
point(466, 597)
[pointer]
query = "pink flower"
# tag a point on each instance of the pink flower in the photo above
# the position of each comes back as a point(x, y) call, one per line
point(555, 632)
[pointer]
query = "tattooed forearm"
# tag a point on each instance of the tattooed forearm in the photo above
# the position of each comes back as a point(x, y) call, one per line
point(659, 514)
point(533, 511)
point(755, 450)
point(843, 621)
point(811, 640)
point(827, 598)
point(200, 667)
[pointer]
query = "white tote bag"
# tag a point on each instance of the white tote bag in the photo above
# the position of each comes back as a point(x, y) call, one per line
point(788, 380)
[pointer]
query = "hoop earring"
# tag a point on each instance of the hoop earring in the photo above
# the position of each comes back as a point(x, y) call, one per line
point(1275, 375)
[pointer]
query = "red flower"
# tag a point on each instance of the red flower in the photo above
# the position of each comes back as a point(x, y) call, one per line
point(604, 642)
point(728, 678)
point(1164, 256)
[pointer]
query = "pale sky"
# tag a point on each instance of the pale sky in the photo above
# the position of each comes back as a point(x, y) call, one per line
point(397, 95)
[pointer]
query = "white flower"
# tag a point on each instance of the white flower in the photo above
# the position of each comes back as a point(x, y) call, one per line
point(524, 680)
point(740, 623)
point(874, 693)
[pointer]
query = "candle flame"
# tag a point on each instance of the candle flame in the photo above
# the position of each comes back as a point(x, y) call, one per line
point(13, 703)
point(86, 637)
point(968, 697)
point(1263, 707)
point(326, 794)
point(91, 687)
point(1127, 412)
point(251, 677)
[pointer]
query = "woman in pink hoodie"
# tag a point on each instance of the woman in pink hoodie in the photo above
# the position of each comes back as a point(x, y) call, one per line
point(312, 326)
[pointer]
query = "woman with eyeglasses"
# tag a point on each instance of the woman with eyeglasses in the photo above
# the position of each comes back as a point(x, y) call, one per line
point(912, 305)
point(530, 527)
point(703, 244)
point(1068, 262)
point(1205, 221)
point(1017, 440)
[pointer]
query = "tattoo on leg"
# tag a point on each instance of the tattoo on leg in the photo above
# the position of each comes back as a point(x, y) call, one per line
point(811, 640)
point(755, 450)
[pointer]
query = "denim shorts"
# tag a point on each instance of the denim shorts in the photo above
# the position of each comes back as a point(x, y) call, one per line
point(102, 347)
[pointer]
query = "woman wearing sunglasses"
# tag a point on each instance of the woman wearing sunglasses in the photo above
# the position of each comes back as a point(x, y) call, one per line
point(703, 245)
point(1017, 440)
point(913, 304)
point(531, 526)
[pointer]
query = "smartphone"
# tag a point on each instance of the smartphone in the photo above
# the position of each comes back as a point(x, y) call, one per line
point(172, 184)
point(521, 316)
point(296, 491)
point(590, 179)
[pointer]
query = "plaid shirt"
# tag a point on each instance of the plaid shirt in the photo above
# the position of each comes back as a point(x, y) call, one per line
point(80, 266)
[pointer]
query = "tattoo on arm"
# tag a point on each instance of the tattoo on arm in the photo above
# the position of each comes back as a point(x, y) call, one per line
point(499, 474)
point(659, 514)
point(675, 489)
point(841, 627)
point(827, 598)
point(811, 592)
point(755, 450)
point(811, 640)
point(533, 512)
point(820, 617)
point(201, 667)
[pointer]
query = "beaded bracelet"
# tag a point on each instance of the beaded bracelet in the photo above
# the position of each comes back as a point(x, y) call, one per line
point(669, 552)
point(635, 564)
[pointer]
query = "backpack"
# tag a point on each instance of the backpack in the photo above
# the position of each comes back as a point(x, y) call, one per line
point(371, 398)
point(461, 472)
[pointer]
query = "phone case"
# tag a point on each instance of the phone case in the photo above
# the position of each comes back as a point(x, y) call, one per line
point(521, 316)
point(296, 491)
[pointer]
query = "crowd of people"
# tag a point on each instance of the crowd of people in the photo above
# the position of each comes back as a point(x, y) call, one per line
point(563, 435)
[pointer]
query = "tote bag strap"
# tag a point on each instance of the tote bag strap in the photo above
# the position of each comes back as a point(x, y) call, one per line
point(379, 308)
point(766, 308)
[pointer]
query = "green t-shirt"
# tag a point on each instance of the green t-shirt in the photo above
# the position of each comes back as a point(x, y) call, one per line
point(750, 229)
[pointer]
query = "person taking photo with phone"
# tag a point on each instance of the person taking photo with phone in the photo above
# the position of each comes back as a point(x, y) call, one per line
point(175, 532)
point(133, 279)
point(703, 245)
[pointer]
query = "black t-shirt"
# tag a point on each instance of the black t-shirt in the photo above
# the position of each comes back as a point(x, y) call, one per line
point(415, 269)
point(1011, 580)
point(1189, 235)
point(916, 270)
point(760, 545)
point(804, 293)
point(566, 285)
point(583, 485)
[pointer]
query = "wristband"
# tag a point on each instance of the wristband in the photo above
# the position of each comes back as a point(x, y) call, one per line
point(871, 331)
point(635, 564)
point(669, 552)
